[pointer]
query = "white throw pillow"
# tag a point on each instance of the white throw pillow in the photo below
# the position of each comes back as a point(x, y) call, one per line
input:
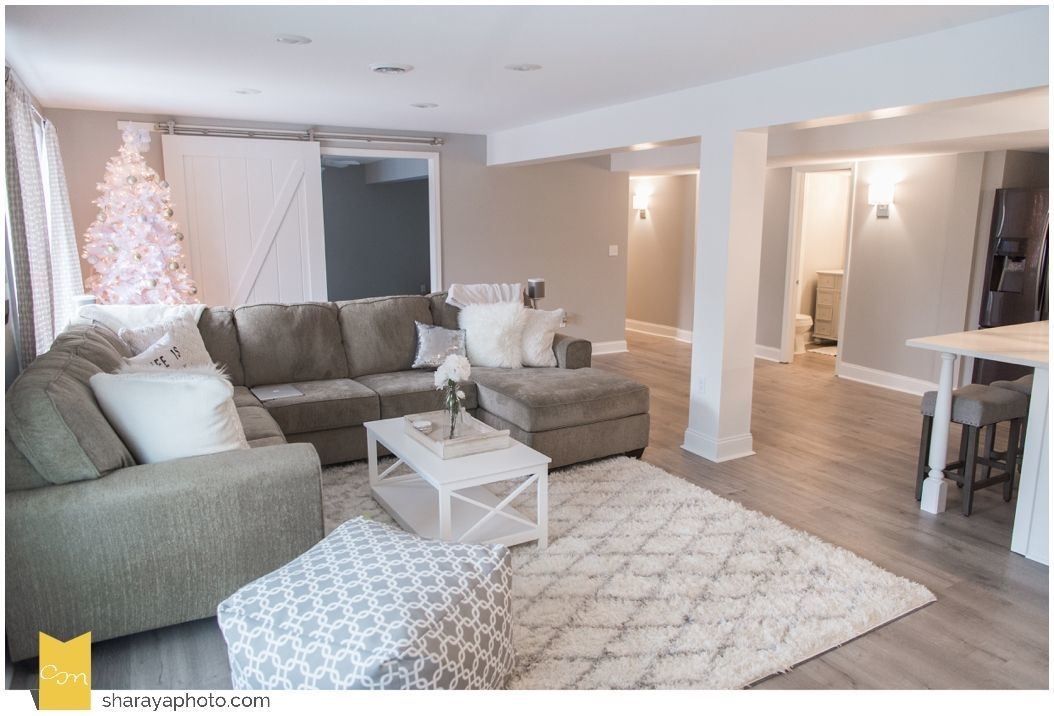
point(167, 352)
point(183, 335)
point(538, 334)
point(494, 334)
point(168, 414)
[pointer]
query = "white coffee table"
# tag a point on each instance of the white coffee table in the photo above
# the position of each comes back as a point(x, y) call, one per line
point(449, 499)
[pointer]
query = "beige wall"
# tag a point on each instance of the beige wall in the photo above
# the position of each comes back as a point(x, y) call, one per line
point(825, 223)
point(551, 220)
point(661, 251)
point(662, 247)
point(772, 278)
point(910, 273)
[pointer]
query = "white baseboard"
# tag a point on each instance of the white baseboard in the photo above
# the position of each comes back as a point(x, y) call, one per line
point(767, 353)
point(718, 449)
point(680, 334)
point(884, 379)
point(657, 329)
point(605, 347)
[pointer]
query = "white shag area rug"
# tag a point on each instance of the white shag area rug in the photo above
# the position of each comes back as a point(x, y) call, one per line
point(652, 582)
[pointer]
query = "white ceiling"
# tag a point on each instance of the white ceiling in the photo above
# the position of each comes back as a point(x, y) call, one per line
point(187, 61)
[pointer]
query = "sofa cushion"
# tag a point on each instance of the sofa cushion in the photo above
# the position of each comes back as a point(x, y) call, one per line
point(108, 335)
point(54, 421)
point(324, 405)
point(260, 428)
point(244, 398)
point(285, 343)
point(380, 334)
point(443, 314)
point(220, 336)
point(537, 399)
point(19, 473)
point(94, 345)
point(411, 391)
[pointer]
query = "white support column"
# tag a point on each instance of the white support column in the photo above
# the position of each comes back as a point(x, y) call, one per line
point(727, 261)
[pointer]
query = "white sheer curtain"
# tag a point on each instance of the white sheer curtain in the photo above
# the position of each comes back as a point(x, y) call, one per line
point(42, 247)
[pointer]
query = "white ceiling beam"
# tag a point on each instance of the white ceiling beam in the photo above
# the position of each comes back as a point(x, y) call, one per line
point(1016, 121)
point(1006, 53)
point(674, 157)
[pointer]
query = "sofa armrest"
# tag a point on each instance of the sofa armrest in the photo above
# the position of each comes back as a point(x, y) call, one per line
point(572, 352)
point(152, 545)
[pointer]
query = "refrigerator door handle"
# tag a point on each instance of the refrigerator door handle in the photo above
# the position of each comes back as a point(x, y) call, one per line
point(1041, 279)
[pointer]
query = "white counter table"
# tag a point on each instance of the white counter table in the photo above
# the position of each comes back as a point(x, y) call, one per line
point(1024, 344)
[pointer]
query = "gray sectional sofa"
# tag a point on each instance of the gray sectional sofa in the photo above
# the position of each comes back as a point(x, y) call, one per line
point(96, 542)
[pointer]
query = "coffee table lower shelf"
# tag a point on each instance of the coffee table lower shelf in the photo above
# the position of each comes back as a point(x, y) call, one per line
point(415, 506)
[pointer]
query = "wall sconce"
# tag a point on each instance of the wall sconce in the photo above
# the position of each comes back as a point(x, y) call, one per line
point(880, 195)
point(535, 291)
point(640, 203)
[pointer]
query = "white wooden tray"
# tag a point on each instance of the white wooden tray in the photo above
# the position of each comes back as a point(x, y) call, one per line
point(475, 435)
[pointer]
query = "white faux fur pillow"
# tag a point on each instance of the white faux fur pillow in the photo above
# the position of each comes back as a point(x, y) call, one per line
point(494, 334)
point(538, 334)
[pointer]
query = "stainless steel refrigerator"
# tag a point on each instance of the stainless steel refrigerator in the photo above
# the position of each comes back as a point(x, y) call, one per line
point(1016, 272)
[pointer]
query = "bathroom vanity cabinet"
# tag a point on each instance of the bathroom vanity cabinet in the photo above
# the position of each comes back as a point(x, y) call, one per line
point(828, 304)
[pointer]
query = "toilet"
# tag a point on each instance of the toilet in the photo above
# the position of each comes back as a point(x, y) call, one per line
point(802, 326)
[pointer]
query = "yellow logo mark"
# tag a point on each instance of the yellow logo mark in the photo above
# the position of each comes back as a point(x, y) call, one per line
point(65, 673)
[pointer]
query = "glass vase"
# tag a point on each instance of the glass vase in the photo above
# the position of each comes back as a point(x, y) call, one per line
point(455, 422)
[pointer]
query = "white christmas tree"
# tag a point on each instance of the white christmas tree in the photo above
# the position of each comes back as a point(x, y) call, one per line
point(133, 245)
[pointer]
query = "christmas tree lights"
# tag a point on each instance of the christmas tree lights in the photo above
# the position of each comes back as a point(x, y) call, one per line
point(133, 245)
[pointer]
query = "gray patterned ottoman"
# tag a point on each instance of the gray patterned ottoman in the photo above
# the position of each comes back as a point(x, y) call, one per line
point(371, 607)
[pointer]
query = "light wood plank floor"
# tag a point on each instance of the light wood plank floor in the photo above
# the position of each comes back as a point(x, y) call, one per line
point(837, 459)
point(834, 458)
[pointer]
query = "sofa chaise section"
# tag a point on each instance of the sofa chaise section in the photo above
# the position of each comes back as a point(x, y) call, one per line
point(570, 415)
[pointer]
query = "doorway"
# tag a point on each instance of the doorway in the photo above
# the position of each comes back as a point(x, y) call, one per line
point(821, 218)
point(381, 215)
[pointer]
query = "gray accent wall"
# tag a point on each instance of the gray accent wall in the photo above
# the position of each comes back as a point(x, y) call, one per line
point(377, 235)
point(554, 220)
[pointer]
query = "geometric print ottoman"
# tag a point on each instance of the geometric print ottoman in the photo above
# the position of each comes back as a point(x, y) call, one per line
point(372, 607)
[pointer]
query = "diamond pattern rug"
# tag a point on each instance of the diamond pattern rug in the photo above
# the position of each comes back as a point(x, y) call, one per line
point(652, 582)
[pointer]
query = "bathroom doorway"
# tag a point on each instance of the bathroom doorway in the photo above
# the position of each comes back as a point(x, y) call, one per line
point(821, 217)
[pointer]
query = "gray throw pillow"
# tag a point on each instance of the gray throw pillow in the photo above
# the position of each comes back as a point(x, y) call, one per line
point(435, 343)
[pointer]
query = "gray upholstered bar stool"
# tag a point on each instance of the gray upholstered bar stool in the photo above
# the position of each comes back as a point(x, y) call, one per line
point(975, 407)
point(1022, 385)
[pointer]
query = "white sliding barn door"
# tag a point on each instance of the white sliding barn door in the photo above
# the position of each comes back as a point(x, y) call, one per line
point(251, 210)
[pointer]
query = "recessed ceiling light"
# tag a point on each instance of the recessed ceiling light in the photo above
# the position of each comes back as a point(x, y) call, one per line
point(246, 90)
point(390, 68)
point(284, 38)
point(523, 67)
point(424, 105)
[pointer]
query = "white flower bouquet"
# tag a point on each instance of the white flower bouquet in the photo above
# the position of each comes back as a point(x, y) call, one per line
point(448, 378)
